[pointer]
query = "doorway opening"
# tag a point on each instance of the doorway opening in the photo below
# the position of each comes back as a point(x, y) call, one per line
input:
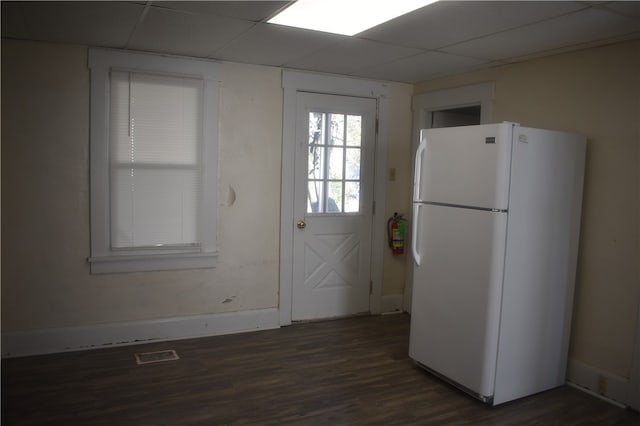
point(453, 117)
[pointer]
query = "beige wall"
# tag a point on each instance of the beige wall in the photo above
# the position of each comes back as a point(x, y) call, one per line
point(398, 192)
point(45, 193)
point(595, 92)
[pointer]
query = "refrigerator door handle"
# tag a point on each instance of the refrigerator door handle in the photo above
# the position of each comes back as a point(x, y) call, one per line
point(414, 234)
point(418, 169)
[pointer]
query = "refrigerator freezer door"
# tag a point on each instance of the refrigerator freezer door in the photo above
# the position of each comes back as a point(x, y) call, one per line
point(456, 294)
point(466, 166)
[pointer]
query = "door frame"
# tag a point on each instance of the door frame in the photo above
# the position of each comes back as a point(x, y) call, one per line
point(293, 82)
point(423, 106)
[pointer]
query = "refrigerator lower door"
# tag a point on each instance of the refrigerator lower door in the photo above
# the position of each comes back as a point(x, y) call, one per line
point(457, 293)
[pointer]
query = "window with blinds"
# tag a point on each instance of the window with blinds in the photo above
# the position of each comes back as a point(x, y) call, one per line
point(154, 157)
point(155, 152)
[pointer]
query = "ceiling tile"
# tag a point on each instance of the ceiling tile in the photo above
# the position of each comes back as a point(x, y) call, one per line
point(420, 67)
point(581, 27)
point(169, 31)
point(352, 54)
point(255, 11)
point(92, 23)
point(268, 44)
point(573, 47)
point(445, 23)
point(458, 35)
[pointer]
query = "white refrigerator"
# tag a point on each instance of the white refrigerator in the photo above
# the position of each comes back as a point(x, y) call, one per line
point(496, 220)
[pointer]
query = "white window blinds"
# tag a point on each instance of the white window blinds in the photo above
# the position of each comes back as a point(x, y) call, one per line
point(155, 147)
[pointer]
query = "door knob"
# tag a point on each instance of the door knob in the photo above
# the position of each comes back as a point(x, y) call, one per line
point(301, 224)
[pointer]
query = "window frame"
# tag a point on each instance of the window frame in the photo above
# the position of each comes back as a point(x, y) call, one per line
point(103, 258)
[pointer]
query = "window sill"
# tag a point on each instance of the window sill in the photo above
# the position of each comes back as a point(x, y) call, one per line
point(152, 262)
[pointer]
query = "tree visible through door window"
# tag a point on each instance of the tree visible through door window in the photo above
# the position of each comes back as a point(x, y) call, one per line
point(335, 150)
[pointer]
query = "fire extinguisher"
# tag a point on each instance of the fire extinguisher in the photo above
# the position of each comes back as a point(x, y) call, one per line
point(396, 229)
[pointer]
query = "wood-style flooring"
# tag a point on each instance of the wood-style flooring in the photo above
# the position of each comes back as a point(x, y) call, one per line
point(344, 372)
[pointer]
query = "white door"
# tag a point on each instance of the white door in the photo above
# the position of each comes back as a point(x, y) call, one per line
point(335, 140)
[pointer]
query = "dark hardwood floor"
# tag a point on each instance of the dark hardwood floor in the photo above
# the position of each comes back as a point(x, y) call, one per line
point(345, 372)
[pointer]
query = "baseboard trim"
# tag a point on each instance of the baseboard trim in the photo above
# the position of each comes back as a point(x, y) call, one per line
point(596, 395)
point(38, 342)
point(391, 303)
point(600, 383)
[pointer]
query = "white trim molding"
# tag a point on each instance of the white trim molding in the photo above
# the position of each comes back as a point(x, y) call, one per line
point(37, 342)
point(391, 303)
point(293, 82)
point(600, 383)
point(159, 262)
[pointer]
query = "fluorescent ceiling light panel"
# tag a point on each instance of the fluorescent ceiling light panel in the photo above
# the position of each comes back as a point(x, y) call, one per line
point(346, 17)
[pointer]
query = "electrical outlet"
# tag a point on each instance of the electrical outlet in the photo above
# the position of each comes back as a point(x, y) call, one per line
point(602, 385)
point(392, 174)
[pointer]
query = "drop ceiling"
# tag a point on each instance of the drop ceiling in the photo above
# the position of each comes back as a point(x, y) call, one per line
point(442, 39)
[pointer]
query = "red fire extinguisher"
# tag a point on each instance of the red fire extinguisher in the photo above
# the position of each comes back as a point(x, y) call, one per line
point(396, 229)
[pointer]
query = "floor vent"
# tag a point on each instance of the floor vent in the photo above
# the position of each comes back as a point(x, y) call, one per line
point(160, 356)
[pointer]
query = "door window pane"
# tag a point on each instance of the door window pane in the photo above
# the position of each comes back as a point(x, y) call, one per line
point(335, 162)
point(353, 164)
point(337, 129)
point(315, 203)
point(354, 130)
point(334, 201)
point(352, 197)
point(316, 162)
point(316, 128)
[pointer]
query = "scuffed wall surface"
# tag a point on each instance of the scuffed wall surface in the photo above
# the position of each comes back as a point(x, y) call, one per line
point(45, 193)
